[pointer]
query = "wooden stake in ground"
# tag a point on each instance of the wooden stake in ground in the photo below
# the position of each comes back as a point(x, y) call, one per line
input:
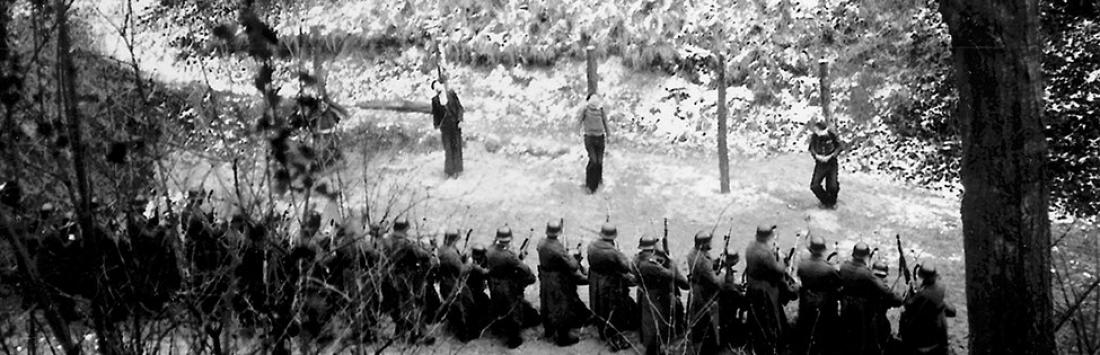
point(723, 149)
point(1006, 230)
point(826, 92)
point(593, 75)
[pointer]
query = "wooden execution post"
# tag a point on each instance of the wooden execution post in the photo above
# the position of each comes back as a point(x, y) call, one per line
point(593, 75)
point(723, 127)
point(440, 63)
point(826, 95)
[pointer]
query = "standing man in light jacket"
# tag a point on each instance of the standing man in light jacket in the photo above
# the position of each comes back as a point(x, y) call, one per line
point(593, 124)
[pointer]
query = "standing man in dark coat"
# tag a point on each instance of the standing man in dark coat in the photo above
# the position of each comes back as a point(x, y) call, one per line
point(609, 280)
point(703, 300)
point(765, 277)
point(593, 123)
point(659, 284)
point(447, 113)
point(817, 302)
point(824, 147)
point(559, 276)
point(923, 324)
point(407, 279)
point(508, 277)
point(861, 294)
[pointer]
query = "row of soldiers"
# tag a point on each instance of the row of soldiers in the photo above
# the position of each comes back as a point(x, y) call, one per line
point(842, 309)
point(298, 287)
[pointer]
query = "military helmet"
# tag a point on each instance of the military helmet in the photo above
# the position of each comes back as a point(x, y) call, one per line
point(817, 244)
point(765, 231)
point(927, 270)
point(375, 228)
point(880, 269)
point(732, 258)
point(477, 248)
point(451, 235)
point(647, 242)
point(504, 235)
point(703, 237)
point(861, 250)
point(400, 224)
point(608, 231)
point(553, 228)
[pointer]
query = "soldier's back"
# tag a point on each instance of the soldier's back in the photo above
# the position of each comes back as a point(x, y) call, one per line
point(817, 274)
point(604, 258)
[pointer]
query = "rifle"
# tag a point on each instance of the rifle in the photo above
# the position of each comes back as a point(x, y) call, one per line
point(722, 259)
point(835, 253)
point(466, 243)
point(564, 242)
point(903, 265)
point(664, 239)
point(523, 247)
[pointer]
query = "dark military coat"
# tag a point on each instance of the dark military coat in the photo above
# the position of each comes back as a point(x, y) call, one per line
point(559, 276)
point(861, 297)
point(609, 281)
point(659, 283)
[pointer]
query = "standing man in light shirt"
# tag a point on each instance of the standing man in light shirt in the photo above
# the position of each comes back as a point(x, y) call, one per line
point(593, 124)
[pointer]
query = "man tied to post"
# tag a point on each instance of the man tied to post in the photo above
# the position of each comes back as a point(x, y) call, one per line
point(447, 113)
point(593, 122)
point(824, 147)
point(559, 275)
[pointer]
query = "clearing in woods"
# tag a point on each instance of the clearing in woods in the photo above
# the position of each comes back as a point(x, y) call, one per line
point(528, 181)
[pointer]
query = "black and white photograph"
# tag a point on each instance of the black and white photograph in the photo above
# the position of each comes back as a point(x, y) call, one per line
point(544, 177)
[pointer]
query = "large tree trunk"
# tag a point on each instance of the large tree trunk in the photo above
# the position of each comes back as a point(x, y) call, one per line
point(723, 127)
point(1006, 229)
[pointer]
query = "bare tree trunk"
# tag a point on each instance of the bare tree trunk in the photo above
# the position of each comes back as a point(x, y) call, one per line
point(1006, 229)
point(723, 127)
point(83, 205)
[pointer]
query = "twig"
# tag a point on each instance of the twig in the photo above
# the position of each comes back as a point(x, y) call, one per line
point(1068, 313)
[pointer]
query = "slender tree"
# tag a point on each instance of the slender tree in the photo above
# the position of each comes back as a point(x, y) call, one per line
point(723, 127)
point(1006, 229)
